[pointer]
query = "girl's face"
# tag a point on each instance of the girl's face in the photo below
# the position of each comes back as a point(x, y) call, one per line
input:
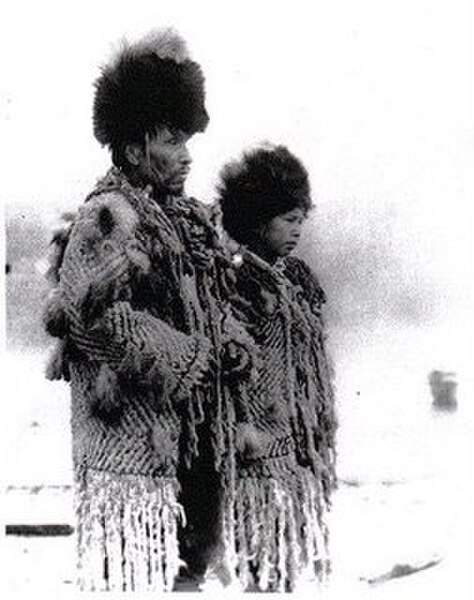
point(281, 234)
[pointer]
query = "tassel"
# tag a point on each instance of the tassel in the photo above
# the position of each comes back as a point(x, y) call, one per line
point(165, 441)
point(278, 532)
point(251, 443)
point(108, 404)
point(127, 533)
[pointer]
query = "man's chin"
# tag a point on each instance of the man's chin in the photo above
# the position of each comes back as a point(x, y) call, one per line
point(176, 188)
point(172, 189)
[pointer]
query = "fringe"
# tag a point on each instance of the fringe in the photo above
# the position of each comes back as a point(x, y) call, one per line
point(126, 532)
point(276, 536)
point(314, 413)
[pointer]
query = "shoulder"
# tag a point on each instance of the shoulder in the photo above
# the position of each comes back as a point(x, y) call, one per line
point(105, 216)
point(199, 213)
point(105, 225)
point(299, 271)
point(194, 221)
point(198, 207)
point(301, 275)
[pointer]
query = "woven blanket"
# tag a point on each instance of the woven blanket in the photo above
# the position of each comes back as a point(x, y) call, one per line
point(144, 339)
point(276, 523)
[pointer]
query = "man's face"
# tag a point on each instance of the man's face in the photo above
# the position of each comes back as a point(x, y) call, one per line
point(281, 234)
point(165, 161)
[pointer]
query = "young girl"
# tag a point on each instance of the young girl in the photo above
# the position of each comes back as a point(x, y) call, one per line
point(276, 519)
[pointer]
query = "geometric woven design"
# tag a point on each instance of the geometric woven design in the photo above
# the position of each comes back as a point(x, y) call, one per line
point(276, 522)
point(139, 297)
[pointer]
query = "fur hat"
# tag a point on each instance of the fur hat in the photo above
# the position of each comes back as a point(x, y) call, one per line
point(148, 84)
point(267, 181)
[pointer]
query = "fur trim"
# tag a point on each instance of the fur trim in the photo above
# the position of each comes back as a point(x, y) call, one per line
point(165, 43)
point(107, 224)
point(54, 316)
point(58, 245)
point(107, 216)
point(57, 367)
point(149, 84)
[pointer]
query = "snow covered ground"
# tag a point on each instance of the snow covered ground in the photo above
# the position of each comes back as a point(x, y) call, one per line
point(404, 502)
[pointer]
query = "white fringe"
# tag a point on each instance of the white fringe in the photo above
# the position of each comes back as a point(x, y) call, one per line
point(126, 532)
point(282, 536)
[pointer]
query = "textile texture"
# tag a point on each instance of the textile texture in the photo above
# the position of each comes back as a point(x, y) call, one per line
point(139, 315)
point(276, 523)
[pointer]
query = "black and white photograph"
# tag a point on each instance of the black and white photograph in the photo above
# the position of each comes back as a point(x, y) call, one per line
point(238, 303)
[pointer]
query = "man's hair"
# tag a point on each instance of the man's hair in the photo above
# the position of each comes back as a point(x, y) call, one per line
point(119, 158)
point(266, 182)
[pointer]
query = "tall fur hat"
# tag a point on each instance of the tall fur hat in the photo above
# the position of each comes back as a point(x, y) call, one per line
point(267, 181)
point(148, 84)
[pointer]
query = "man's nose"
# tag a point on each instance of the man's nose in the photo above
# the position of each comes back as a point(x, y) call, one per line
point(185, 157)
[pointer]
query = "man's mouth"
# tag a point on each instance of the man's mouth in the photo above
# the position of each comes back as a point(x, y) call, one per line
point(180, 177)
point(184, 172)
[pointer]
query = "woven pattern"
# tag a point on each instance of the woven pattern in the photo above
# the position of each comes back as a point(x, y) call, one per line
point(316, 422)
point(276, 523)
point(277, 533)
point(140, 308)
point(127, 539)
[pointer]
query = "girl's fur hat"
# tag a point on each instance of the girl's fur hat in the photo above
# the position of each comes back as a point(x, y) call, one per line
point(149, 84)
point(266, 182)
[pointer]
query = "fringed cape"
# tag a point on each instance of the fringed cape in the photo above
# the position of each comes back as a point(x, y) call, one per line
point(276, 521)
point(144, 339)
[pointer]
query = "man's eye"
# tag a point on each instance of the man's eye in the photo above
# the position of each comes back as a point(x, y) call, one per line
point(173, 140)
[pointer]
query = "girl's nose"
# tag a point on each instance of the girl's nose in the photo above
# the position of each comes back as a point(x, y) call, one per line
point(297, 231)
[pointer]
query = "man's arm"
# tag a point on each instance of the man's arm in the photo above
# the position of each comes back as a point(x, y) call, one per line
point(93, 303)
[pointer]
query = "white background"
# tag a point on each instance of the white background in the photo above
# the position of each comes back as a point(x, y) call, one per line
point(376, 97)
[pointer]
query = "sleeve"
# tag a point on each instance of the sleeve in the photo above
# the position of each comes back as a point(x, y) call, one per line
point(93, 303)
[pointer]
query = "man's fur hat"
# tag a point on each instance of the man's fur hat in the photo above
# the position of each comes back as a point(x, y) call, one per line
point(149, 84)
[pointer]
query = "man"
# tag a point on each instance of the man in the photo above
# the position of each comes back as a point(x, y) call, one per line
point(145, 337)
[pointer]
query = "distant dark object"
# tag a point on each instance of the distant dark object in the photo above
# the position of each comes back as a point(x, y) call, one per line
point(39, 530)
point(402, 570)
point(8, 268)
point(443, 388)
